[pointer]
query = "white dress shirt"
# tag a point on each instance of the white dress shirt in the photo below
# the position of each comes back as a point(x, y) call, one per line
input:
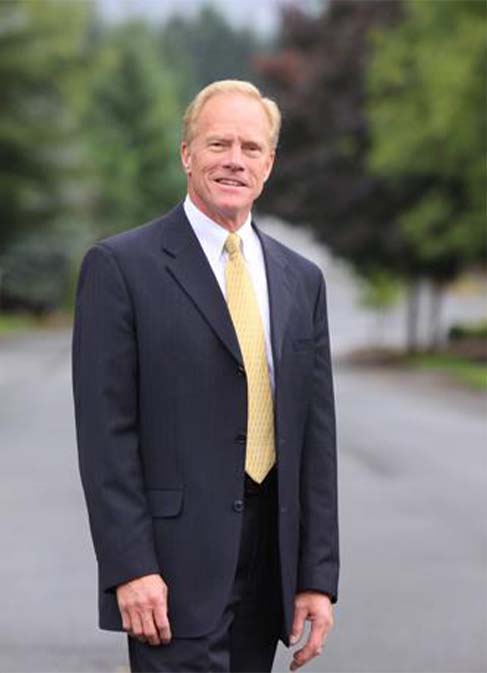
point(212, 237)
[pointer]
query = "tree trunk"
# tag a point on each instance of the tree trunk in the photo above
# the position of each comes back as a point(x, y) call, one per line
point(412, 316)
point(436, 303)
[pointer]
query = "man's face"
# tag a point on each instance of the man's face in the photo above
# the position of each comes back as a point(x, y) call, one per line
point(229, 158)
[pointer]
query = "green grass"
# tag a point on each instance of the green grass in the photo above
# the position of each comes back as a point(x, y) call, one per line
point(17, 323)
point(11, 323)
point(472, 374)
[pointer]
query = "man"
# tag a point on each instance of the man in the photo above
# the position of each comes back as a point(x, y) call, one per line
point(205, 415)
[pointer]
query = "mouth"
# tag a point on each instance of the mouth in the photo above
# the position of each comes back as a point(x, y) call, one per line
point(230, 182)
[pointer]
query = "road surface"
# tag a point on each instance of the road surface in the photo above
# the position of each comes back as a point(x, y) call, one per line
point(412, 461)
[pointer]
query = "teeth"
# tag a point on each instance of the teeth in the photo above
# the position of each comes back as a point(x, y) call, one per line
point(233, 183)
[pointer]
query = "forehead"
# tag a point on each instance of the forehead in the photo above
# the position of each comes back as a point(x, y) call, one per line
point(233, 113)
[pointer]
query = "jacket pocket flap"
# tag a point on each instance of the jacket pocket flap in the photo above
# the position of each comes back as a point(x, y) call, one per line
point(165, 502)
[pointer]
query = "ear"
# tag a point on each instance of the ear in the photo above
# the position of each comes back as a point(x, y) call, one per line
point(186, 157)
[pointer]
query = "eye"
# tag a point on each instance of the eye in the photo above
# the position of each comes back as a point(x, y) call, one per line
point(252, 148)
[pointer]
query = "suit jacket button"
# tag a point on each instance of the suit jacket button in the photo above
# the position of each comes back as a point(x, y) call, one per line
point(241, 438)
point(238, 505)
point(241, 370)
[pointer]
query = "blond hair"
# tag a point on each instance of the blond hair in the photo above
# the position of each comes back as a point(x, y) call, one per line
point(227, 86)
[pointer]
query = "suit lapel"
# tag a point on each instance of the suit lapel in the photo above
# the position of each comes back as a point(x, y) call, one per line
point(187, 263)
point(281, 284)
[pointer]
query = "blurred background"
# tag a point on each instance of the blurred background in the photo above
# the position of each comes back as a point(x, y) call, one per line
point(380, 178)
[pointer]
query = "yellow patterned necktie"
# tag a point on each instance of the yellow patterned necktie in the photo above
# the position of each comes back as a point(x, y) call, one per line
point(242, 303)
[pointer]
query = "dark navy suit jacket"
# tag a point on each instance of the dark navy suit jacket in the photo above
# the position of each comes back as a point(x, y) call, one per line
point(161, 413)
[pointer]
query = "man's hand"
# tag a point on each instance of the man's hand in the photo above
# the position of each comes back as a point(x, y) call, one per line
point(318, 609)
point(143, 606)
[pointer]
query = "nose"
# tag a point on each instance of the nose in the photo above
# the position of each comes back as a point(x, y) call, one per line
point(233, 158)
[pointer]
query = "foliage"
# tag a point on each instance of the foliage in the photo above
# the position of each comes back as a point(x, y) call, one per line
point(380, 290)
point(16, 322)
point(383, 149)
point(321, 176)
point(132, 129)
point(35, 273)
point(476, 330)
point(204, 48)
point(472, 374)
point(76, 102)
point(41, 66)
point(427, 119)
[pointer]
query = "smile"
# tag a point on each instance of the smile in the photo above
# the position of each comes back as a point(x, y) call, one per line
point(230, 182)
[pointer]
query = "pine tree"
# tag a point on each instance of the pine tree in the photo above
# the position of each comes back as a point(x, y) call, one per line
point(132, 123)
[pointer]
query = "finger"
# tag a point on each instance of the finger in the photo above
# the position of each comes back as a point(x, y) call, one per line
point(137, 627)
point(151, 633)
point(300, 614)
point(126, 623)
point(162, 624)
point(304, 655)
point(318, 631)
point(313, 646)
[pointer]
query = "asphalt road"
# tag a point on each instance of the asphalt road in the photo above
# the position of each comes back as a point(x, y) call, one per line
point(413, 477)
point(412, 503)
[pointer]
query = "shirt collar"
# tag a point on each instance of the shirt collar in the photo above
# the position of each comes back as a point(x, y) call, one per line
point(212, 236)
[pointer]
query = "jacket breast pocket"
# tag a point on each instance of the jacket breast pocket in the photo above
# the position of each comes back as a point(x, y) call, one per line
point(164, 502)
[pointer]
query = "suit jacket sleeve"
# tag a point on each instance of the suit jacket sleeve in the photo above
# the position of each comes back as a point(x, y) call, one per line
point(319, 554)
point(105, 394)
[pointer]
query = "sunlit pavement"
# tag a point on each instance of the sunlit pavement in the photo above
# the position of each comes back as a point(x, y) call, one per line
point(413, 480)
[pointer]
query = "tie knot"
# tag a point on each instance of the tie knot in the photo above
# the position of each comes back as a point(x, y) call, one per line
point(232, 245)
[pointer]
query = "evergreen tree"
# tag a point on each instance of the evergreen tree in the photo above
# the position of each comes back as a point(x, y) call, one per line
point(206, 48)
point(132, 122)
point(41, 63)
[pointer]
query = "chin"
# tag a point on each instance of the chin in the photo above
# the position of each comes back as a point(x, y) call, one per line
point(235, 201)
point(231, 204)
point(233, 210)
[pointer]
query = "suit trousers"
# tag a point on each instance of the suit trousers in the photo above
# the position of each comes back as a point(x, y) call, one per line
point(246, 635)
